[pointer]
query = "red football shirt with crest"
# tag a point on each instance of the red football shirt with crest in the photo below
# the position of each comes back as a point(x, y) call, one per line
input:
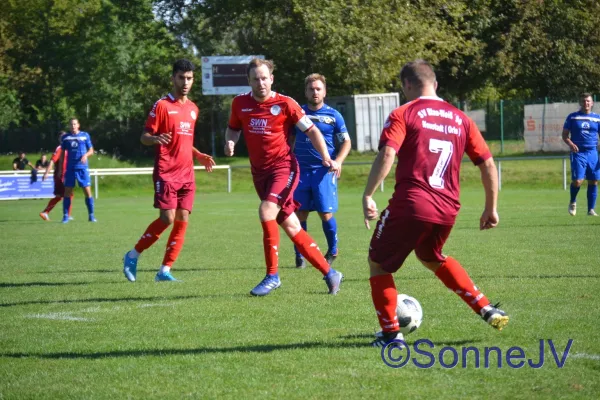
point(173, 162)
point(430, 137)
point(266, 128)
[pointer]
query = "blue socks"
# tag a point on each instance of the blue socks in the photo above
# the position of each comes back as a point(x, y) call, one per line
point(592, 195)
point(66, 206)
point(330, 231)
point(89, 202)
point(304, 226)
point(574, 191)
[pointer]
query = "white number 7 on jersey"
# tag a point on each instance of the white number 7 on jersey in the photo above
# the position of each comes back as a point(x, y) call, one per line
point(445, 148)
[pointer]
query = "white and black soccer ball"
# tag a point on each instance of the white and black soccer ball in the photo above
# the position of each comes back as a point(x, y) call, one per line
point(409, 312)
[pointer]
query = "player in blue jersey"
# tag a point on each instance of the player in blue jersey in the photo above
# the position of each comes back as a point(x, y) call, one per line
point(317, 189)
point(79, 147)
point(580, 133)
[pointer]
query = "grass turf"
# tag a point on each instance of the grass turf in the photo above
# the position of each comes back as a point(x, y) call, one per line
point(71, 326)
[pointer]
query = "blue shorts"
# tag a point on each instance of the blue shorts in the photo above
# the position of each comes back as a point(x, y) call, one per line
point(584, 164)
point(317, 191)
point(82, 176)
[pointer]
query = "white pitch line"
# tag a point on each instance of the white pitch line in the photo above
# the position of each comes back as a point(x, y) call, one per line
point(58, 316)
point(586, 356)
point(146, 305)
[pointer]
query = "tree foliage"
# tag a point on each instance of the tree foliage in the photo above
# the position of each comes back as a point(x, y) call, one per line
point(107, 61)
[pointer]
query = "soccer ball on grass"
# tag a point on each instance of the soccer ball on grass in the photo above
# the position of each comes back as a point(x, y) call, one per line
point(409, 312)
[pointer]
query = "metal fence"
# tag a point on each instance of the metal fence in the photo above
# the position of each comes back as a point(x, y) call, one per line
point(96, 173)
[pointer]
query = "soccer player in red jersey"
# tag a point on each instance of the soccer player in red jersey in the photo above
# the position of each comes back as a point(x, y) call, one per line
point(170, 129)
point(430, 137)
point(59, 162)
point(266, 117)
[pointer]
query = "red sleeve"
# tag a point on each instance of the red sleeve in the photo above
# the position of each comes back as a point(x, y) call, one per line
point(476, 148)
point(295, 111)
point(394, 130)
point(234, 123)
point(155, 117)
point(56, 155)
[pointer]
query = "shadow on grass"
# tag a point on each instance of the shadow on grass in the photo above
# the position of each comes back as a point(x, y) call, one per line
point(119, 300)
point(268, 348)
point(186, 352)
point(119, 270)
point(27, 284)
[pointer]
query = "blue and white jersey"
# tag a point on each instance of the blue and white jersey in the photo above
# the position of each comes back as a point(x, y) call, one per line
point(76, 146)
point(584, 129)
point(331, 124)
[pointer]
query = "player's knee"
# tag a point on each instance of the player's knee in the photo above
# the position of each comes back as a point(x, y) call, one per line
point(325, 216)
point(430, 265)
point(375, 268)
point(167, 218)
point(268, 211)
point(577, 182)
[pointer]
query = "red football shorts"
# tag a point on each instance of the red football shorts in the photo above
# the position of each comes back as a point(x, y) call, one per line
point(172, 195)
point(59, 187)
point(277, 186)
point(396, 236)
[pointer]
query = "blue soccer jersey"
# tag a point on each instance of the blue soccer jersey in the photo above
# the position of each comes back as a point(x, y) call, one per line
point(331, 124)
point(584, 129)
point(76, 145)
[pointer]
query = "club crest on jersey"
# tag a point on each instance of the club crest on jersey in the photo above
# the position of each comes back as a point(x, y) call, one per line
point(74, 144)
point(193, 114)
point(275, 110)
point(585, 125)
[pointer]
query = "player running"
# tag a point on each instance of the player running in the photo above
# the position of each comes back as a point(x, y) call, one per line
point(170, 129)
point(430, 137)
point(266, 118)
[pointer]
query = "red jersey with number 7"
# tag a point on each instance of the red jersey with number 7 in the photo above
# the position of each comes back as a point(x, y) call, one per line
point(430, 137)
point(173, 162)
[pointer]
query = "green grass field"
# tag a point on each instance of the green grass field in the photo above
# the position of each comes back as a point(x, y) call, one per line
point(71, 326)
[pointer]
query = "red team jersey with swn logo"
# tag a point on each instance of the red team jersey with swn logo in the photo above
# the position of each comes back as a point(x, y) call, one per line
point(266, 128)
point(173, 162)
point(430, 137)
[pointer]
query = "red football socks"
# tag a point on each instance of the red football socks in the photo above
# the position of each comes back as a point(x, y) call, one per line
point(53, 202)
point(153, 232)
point(271, 245)
point(385, 300)
point(175, 243)
point(454, 276)
point(309, 249)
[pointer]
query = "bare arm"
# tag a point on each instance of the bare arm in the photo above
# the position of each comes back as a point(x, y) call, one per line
point(566, 137)
point(489, 179)
point(14, 166)
point(48, 168)
point(148, 139)
point(316, 138)
point(379, 170)
point(343, 153)
point(207, 161)
point(231, 138)
point(87, 154)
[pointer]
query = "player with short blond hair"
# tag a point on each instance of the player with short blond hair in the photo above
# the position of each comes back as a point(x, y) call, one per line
point(265, 117)
point(318, 189)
